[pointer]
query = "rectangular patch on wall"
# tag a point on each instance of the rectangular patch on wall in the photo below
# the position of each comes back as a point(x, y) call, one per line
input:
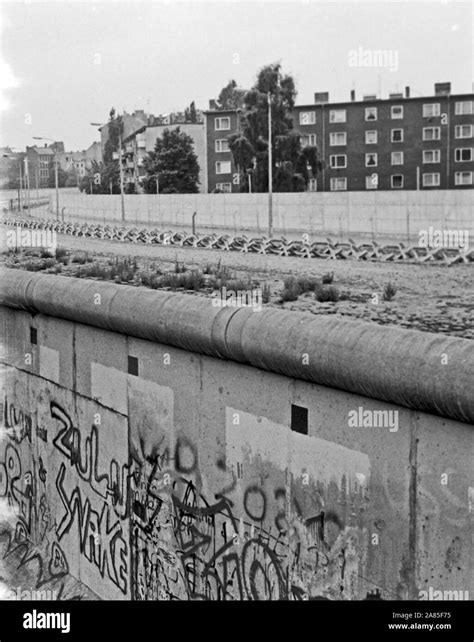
point(109, 387)
point(249, 437)
point(49, 363)
point(151, 417)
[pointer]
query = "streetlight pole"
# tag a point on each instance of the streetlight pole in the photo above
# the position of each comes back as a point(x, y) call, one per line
point(20, 193)
point(27, 179)
point(270, 168)
point(122, 199)
point(20, 189)
point(56, 176)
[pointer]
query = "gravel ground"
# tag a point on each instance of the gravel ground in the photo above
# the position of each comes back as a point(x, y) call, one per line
point(429, 297)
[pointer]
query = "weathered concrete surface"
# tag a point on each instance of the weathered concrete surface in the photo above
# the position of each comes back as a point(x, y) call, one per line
point(418, 370)
point(187, 482)
point(374, 214)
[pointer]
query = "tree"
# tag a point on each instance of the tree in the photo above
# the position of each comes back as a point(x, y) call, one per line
point(101, 178)
point(249, 147)
point(62, 176)
point(190, 114)
point(231, 97)
point(104, 178)
point(173, 164)
point(72, 179)
point(114, 127)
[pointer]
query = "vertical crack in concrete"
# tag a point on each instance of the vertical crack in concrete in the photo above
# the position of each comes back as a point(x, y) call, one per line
point(412, 501)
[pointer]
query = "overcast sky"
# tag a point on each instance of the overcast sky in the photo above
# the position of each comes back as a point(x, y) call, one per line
point(66, 63)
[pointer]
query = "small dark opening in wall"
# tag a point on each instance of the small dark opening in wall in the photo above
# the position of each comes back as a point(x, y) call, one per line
point(299, 419)
point(133, 366)
point(33, 336)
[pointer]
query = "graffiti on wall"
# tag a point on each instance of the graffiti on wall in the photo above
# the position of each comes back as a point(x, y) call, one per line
point(250, 538)
point(246, 525)
point(60, 496)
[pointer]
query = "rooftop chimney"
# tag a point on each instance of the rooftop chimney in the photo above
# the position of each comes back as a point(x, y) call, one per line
point(442, 88)
point(353, 95)
point(321, 97)
point(407, 92)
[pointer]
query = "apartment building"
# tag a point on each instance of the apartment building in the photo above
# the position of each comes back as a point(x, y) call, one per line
point(138, 145)
point(222, 175)
point(401, 142)
point(40, 164)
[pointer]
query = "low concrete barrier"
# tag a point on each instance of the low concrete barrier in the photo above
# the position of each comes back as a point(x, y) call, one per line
point(401, 366)
point(158, 448)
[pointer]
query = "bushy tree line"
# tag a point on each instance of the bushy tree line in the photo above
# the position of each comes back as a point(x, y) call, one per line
point(292, 164)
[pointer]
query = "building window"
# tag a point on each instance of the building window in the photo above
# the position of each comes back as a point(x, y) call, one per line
point(223, 167)
point(222, 123)
point(464, 107)
point(338, 161)
point(397, 111)
point(431, 156)
point(463, 178)
point(338, 184)
point(397, 135)
point(337, 138)
point(397, 181)
point(371, 160)
point(224, 187)
point(430, 110)
point(463, 131)
point(430, 180)
point(463, 155)
point(337, 116)
point(312, 185)
point(308, 140)
point(431, 133)
point(397, 158)
point(371, 113)
point(307, 117)
point(371, 137)
point(371, 182)
point(222, 145)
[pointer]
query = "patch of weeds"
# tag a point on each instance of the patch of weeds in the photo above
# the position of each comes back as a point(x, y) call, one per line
point(123, 270)
point(81, 259)
point(94, 270)
point(328, 277)
point(60, 253)
point(37, 266)
point(46, 254)
point(327, 293)
point(179, 268)
point(389, 291)
point(266, 293)
point(289, 294)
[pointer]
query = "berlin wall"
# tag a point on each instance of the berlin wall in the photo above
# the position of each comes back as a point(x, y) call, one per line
point(158, 448)
point(374, 214)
